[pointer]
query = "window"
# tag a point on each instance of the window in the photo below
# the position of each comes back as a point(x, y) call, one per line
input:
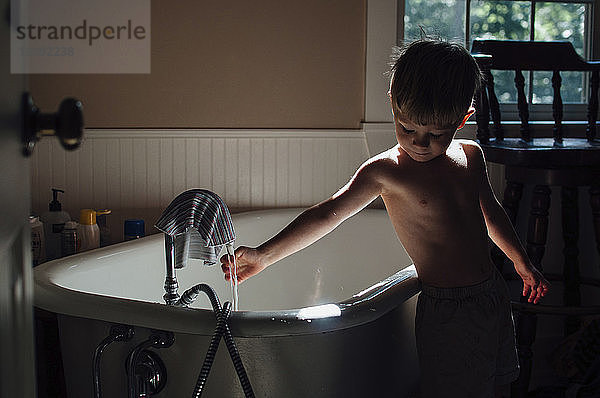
point(465, 20)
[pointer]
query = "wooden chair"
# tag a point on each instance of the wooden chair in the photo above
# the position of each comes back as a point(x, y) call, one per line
point(542, 162)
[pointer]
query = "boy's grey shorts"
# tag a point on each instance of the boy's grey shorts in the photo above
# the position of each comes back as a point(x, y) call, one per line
point(465, 339)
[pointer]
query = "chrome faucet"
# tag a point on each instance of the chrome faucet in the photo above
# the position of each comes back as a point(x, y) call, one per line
point(197, 224)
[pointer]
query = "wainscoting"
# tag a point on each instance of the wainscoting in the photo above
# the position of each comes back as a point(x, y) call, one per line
point(133, 169)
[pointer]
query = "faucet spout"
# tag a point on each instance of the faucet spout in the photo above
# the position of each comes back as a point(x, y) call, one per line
point(197, 224)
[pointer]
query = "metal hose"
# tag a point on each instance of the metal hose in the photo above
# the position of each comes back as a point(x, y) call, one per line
point(221, 330)
point(211, 352)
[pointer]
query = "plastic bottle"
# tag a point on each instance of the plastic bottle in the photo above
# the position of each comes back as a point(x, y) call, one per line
point(88, 231)
point(105, 238)
point(69, 239)
point(133, 229)
point(38, 252)
point(54, 221)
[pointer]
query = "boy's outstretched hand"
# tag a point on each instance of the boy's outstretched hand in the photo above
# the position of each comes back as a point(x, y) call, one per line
point(248, 262)
point(534, 283)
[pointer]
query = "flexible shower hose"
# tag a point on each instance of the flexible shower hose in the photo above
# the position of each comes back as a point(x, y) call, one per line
point(221, 330)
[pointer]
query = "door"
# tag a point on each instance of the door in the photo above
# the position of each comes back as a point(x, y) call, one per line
point(17, 377)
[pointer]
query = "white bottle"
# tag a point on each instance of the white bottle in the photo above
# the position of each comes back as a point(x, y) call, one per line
point(38, 252)
point(54, 221)
point(88, 233)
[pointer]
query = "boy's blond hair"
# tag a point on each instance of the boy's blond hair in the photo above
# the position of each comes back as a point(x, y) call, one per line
point(433, 82)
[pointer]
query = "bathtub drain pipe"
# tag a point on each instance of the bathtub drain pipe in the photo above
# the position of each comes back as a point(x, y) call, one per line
point(221, 330)
point(157, 339)
point(117, 333)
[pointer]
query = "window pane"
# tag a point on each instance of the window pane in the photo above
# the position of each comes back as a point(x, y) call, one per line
point(560, 21)
point(501, 20)
point(571, 89)
point(443, 18)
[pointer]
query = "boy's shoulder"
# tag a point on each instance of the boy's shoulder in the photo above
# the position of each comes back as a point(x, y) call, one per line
point(383, 159)
point(471, 148)
point(474, 155)
point(467, 144)
point(380, 166)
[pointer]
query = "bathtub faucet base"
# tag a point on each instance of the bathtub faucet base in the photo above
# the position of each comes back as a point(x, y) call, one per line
point(171, 295)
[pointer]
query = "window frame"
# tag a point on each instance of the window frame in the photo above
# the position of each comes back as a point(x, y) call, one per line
point(539, 112)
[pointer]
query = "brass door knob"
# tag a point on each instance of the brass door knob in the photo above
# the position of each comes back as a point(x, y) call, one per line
point(66, 124)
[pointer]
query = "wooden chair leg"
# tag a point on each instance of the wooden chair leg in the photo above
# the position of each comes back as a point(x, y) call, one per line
point(570, 226)
point(512, 195)
point(595, 203)
point(527, 322)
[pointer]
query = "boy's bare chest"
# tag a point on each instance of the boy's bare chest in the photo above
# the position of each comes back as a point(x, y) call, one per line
point(429, 183)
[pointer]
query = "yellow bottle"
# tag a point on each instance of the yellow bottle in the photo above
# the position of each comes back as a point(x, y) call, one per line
point(88, 233)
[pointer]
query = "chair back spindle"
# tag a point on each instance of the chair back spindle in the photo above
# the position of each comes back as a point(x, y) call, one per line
point(520, 56)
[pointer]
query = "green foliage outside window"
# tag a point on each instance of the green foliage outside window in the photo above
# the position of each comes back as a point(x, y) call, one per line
point(507, 20)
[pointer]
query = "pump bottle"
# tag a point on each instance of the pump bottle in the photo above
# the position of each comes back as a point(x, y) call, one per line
point(54, 221)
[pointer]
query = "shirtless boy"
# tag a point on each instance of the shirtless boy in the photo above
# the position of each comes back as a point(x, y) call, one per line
point(438, 196)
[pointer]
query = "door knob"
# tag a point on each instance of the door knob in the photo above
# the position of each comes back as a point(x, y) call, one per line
point(66, 124)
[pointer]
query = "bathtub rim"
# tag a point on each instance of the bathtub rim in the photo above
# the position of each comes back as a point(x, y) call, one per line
point(364, 307)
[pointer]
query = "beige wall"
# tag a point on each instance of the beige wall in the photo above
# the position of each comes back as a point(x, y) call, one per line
point(233, 64)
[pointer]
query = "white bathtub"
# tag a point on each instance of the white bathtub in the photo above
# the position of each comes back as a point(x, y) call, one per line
point(361, 344)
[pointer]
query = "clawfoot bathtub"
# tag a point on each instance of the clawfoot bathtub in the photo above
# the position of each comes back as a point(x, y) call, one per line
point(333, 320)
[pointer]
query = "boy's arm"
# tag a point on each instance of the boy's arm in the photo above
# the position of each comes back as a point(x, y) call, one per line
point(503, 234)
point(312, 224)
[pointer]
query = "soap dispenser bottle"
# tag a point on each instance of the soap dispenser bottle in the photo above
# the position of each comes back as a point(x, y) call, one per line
point(88, 231)
point(54, 221)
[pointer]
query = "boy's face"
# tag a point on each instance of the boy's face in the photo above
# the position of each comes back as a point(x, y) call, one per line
point(422, 143)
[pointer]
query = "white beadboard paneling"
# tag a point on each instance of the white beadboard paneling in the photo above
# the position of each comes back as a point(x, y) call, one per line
point(318, 168)
point(204, 163)
point(140, 170)
point(256, 172)
point(218, 166)
point(166, 171)
point(99, 176)
point(269, 173)
point(128, 196)
point(86, 175)
point(58, 170)
point(331, 172)
point(113, 174)
point(72, 198)
point(191, 163)
point(294, 176)
point(232, 162)
point(244, 158)
point(179, 166)
point(307, 167)
point(281, 177)
point(153, 173)
point(128, 169)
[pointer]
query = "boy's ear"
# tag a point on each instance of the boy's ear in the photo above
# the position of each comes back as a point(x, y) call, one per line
point(470, 112)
